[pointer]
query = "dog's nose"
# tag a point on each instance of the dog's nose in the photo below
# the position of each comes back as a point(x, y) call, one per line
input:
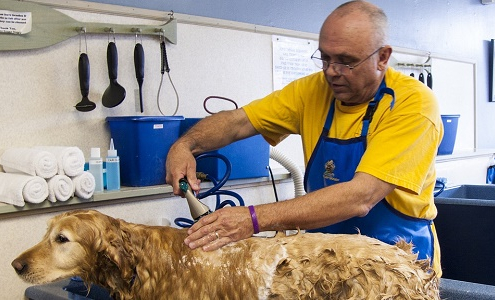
point(19, 266)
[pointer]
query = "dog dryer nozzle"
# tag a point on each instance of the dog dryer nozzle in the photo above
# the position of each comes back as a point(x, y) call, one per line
point(197, 208)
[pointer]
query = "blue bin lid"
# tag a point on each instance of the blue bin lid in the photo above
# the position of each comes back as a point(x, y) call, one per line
point(146, 118)
point(450, 116)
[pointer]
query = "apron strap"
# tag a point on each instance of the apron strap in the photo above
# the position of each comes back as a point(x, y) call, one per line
point(368, 116)
point(329, 119)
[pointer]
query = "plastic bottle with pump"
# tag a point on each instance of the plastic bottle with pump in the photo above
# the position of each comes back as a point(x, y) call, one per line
point(96, 168)
point(113, 169)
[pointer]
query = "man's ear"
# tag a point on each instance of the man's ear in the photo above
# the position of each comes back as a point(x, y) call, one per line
point(384, 56)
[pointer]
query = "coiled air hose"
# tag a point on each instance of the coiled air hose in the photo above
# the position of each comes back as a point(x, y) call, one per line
point(297, 175)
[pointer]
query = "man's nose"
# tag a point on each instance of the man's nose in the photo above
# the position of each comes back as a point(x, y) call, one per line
point(331, 71)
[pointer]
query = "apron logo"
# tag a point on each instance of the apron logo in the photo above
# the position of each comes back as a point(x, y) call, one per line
point(329, 168)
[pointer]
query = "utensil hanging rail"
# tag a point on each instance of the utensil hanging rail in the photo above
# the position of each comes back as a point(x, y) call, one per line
point(426, 64)
point(168, 30)
point(410, 65)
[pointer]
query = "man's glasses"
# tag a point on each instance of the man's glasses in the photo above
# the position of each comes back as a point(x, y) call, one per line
point(339, 68)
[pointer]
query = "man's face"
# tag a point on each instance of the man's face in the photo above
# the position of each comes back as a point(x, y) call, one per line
point(349, 40)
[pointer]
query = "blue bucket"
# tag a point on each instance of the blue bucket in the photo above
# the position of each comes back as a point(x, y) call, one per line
point(142, 143)
point(249, 157)
point(449, 134)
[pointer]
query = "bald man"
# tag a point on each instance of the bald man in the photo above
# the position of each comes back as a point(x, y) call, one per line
point(369, 133)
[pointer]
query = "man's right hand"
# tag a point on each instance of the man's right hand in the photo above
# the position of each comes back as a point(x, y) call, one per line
point(181, 163)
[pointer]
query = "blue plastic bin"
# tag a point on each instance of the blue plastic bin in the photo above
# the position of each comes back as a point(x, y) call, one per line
point(449, 134)
point(249, 157)
point(142, 144)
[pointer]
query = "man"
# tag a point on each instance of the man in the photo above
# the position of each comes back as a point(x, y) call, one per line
point(370, 136)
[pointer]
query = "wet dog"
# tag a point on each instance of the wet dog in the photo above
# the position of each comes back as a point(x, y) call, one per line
point(136, 261)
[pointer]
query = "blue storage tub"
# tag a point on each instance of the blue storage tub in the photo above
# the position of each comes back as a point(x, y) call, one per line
point(249, 157)
point(449, 134)
point(142, 144)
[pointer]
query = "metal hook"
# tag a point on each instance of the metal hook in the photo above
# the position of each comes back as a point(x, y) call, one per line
point(160, 34)
point(85, 40)
point(83, 30)
point(110, 30)
point(137, 31)
point(429, 58)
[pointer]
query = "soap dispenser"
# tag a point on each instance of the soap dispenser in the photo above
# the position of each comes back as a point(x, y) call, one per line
point(96, 168)
point(113, 168)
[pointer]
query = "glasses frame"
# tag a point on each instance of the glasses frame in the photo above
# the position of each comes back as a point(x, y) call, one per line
point(339, 68)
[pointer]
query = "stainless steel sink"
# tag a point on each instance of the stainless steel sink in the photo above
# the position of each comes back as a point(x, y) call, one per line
point(466, 231)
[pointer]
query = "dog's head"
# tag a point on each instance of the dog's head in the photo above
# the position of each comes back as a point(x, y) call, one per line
point(79, 243)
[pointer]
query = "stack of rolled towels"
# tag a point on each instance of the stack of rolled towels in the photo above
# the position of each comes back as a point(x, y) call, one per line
point(35, 174)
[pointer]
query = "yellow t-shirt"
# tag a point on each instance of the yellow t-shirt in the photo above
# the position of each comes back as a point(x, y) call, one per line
point(402, 139)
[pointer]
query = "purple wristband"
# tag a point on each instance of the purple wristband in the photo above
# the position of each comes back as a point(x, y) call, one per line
point(254, 219)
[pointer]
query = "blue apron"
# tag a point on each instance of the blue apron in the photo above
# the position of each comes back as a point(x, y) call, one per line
point(334, 160)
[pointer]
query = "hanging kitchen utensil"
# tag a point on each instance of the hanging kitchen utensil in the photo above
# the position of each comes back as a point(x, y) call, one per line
point(83, 67)
point(421, 77)
point(115, 93)
point(85, 104)
point(165, 68)
point(139, 66)
point(429, 80)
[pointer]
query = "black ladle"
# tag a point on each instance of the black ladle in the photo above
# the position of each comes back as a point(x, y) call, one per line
point(139, 66)
point(115, 93)
point(85, 104)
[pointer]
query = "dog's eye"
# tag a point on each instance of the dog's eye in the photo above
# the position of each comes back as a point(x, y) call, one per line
point(61, 239)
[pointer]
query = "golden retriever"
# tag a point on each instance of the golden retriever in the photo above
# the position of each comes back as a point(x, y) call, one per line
point(136, 261)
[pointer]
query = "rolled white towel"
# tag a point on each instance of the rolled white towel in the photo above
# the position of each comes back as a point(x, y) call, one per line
point(16, 188)
point(84, 185)
point(60, 188)
point(30, 161)
point(70, 160)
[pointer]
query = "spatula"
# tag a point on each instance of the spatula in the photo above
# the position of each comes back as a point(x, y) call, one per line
point(139, 66)
point(115, 93)
point(85, 104)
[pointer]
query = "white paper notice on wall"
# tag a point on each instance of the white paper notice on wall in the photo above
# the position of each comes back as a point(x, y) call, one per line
point(291, 59)
point(15, 22)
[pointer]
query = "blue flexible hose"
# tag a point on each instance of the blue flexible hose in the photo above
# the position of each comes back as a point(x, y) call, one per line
point(215, 190)
point(441, 184)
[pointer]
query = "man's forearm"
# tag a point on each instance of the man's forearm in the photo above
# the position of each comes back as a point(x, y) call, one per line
point(218, 130)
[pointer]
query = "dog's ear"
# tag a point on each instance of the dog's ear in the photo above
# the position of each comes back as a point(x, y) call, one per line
point(117, 251)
